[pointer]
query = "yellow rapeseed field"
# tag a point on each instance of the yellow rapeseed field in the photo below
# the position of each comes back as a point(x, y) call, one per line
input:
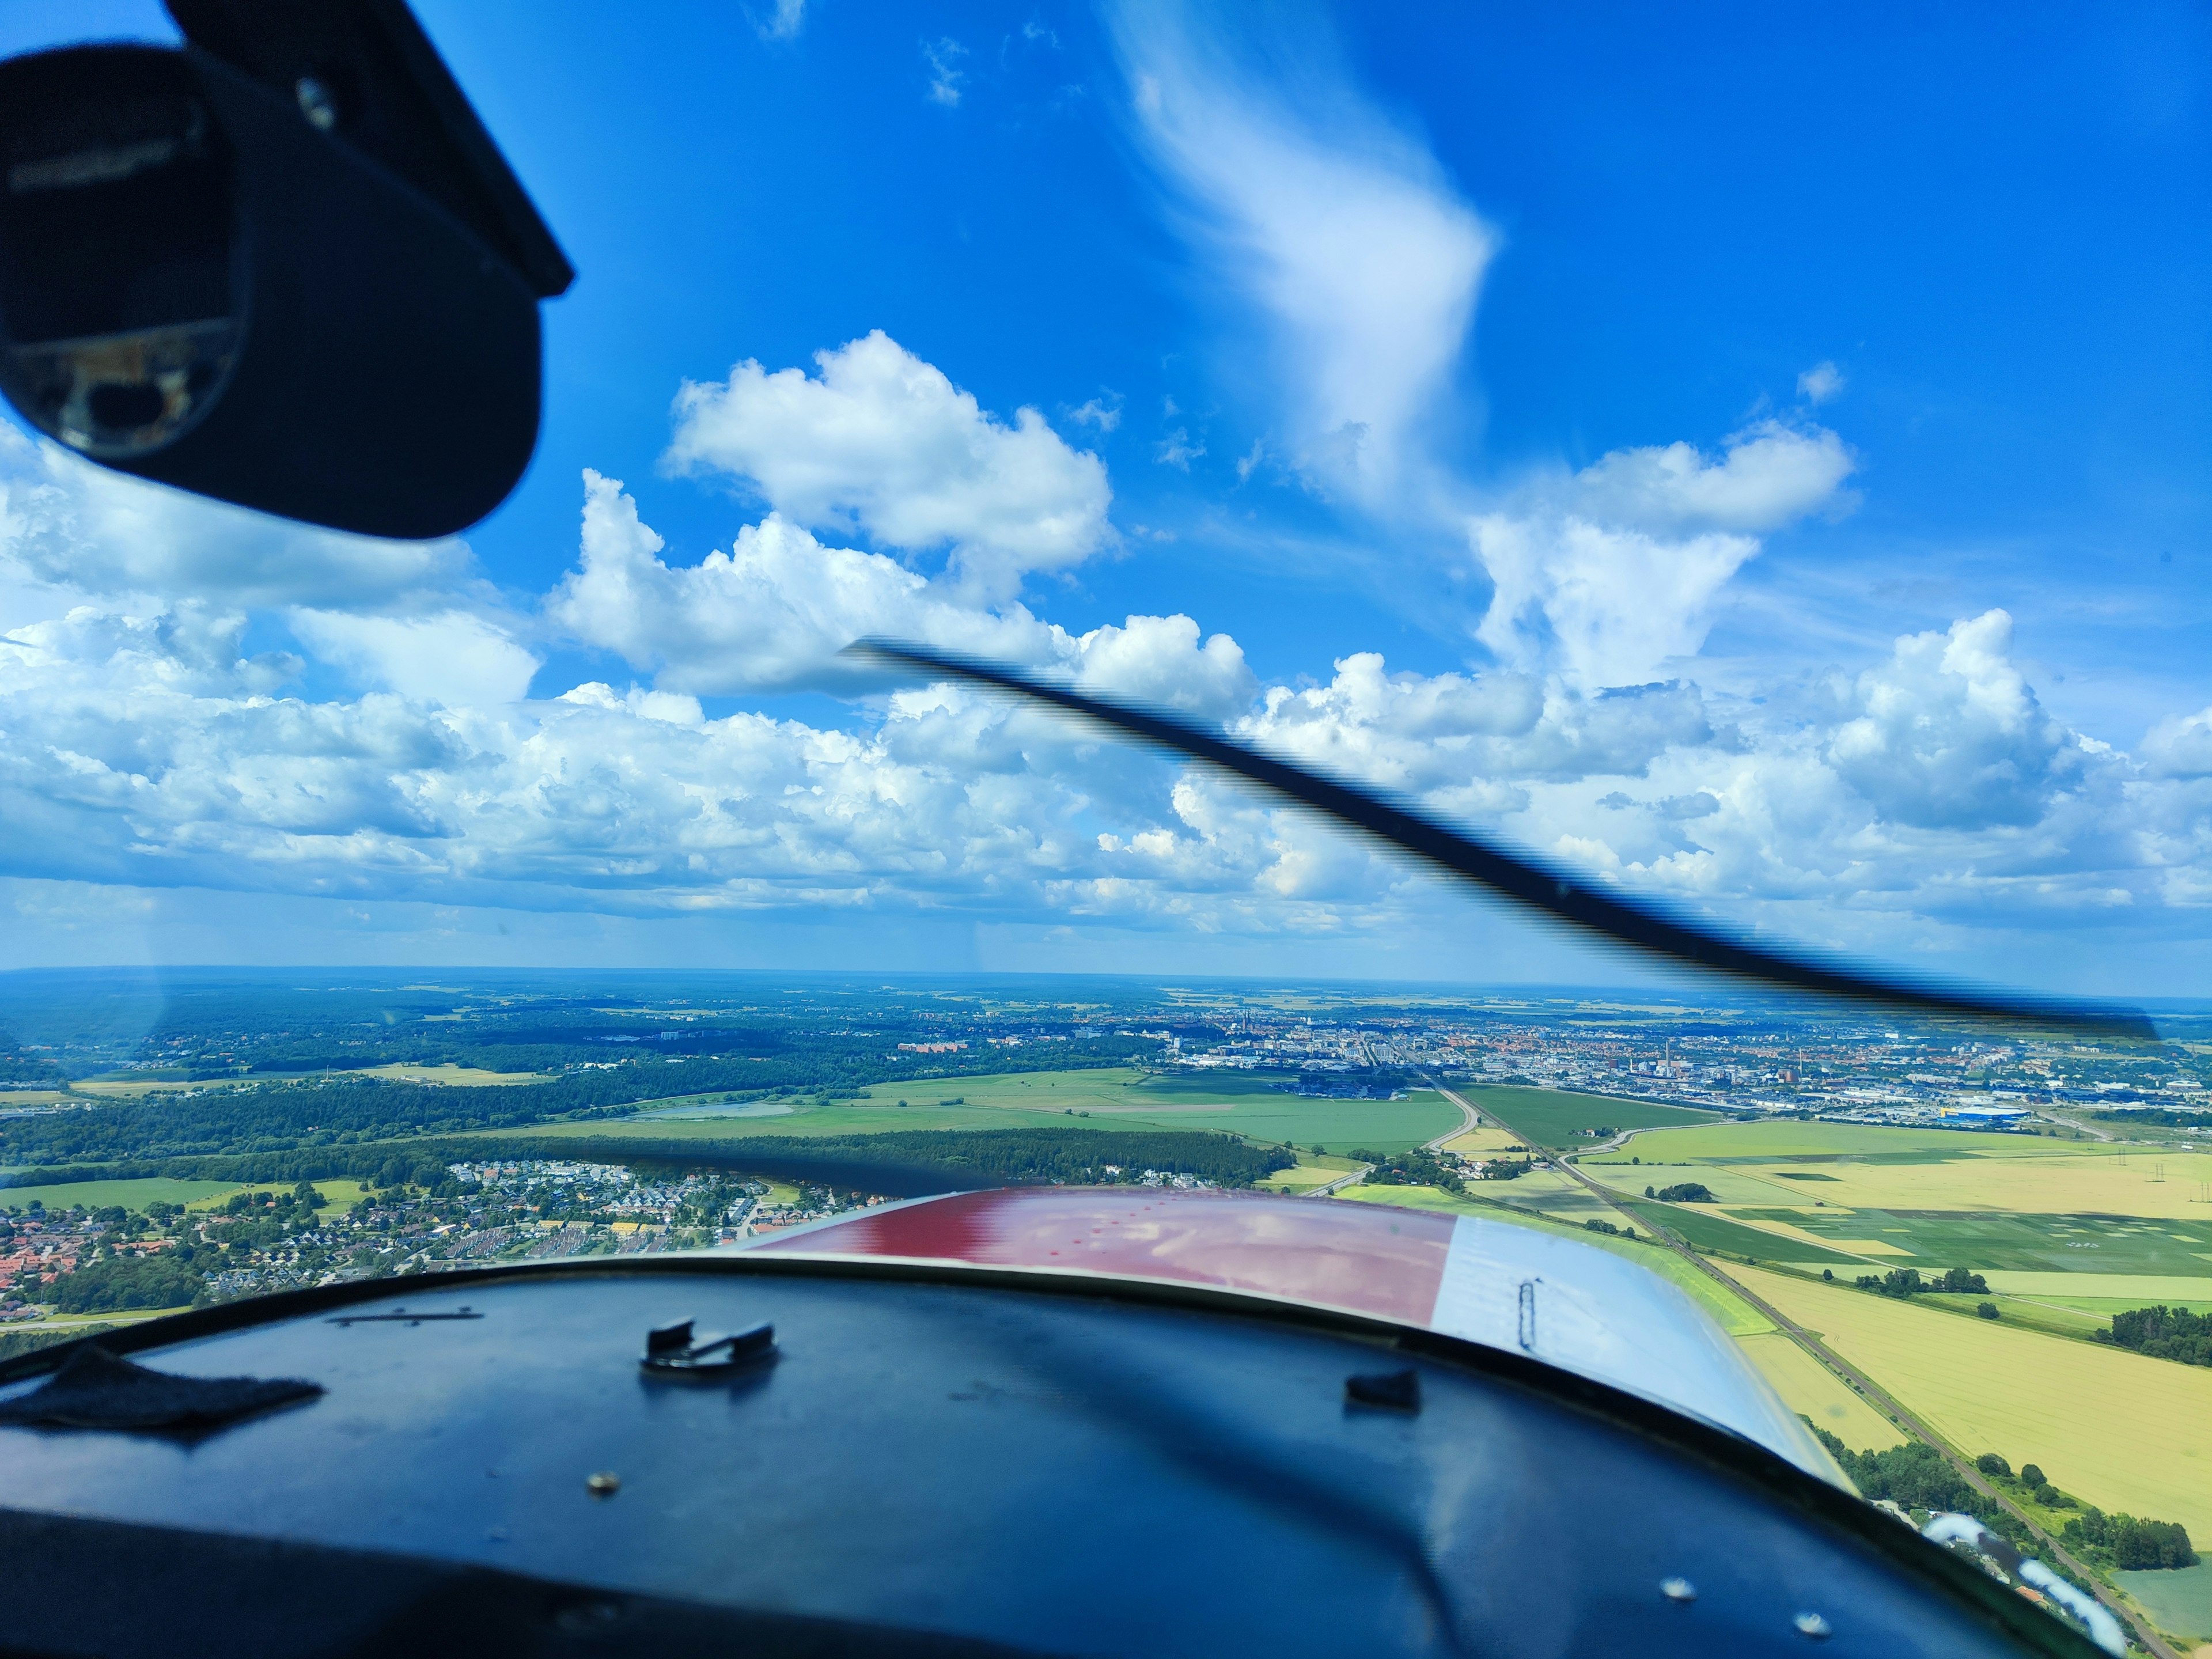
point(2115, 1429)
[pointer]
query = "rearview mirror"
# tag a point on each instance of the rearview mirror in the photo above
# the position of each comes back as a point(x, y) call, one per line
point(219, 274)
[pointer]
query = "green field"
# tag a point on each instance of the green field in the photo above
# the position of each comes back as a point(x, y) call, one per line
point(1707, 1230)
point(2179, 1598)
point(1556, 1117)
point(137, 1194)
point(1791, 1142)
point(2091, 1244)
point(1102, 1099)
point(131, 1195)
point(1309, 1173)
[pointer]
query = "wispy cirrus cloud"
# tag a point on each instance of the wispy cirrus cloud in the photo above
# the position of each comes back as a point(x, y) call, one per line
point(1367, 264)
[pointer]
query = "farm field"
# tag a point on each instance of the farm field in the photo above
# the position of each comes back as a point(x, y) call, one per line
point(2109, 1290)
point(2036, 1250)
point(1795, 1141)
point(1484, 1142)
point(1309, 1173)
point(1987, 1386)
point(1809, 1388)
point(1707, 1229)
point(1559, 1118)
point(1880, 1168)
point(1117, 1097)
point(2179, 1599)
point(131, 1194)
point(460, 1077)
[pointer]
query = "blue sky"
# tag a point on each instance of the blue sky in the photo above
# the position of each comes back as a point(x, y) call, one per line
point(1841, 381)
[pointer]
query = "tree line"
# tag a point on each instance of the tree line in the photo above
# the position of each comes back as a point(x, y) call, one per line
point(899, 1162)
point(2163, 1332)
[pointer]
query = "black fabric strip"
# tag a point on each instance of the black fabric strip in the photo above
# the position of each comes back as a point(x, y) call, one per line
point(1518, 876)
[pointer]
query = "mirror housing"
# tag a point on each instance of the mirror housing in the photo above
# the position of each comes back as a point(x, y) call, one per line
point(206, 282)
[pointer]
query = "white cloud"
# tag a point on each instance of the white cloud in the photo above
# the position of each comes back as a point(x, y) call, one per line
point(1098, 412)
point(1820, 383)
point(1367, 264)
point(66, 522)
point(2180, 746)
point(1177, 451)
point(773, 612)
point(946, 77)
point(785, 22)
point(1950, 734)
point(1768, 474)
point(453, 658)
point(1343, 231)
point(1933, 797)
point(144, 742)
point(1611, 573)
point(884, 444)
point(1610, 607)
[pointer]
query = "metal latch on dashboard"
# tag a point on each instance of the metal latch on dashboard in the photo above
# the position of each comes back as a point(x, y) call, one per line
point(670, 1351)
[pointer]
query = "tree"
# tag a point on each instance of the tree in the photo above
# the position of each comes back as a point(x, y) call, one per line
point(125, 1281)
point(1987, 1309)
point(1686, 1192)
point(1990, 1463)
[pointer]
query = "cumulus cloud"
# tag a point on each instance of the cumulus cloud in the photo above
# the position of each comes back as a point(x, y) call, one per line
point(454, 657)
point(2180, 746)
point(1949, 733)
point(882, 443)
point(773, 611)
point(1766, 476)
point(155, 749)
point(146, 740)
point(1611, 573)
point(1609, 606)
point(1468, 743)
point(1341, 229)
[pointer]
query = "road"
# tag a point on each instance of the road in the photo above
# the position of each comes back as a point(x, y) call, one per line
point(1352, 1178)
point(1852, 1378)
point(1467, 1119)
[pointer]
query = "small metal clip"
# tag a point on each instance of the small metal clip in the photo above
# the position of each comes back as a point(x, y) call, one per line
point(671, 1352)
